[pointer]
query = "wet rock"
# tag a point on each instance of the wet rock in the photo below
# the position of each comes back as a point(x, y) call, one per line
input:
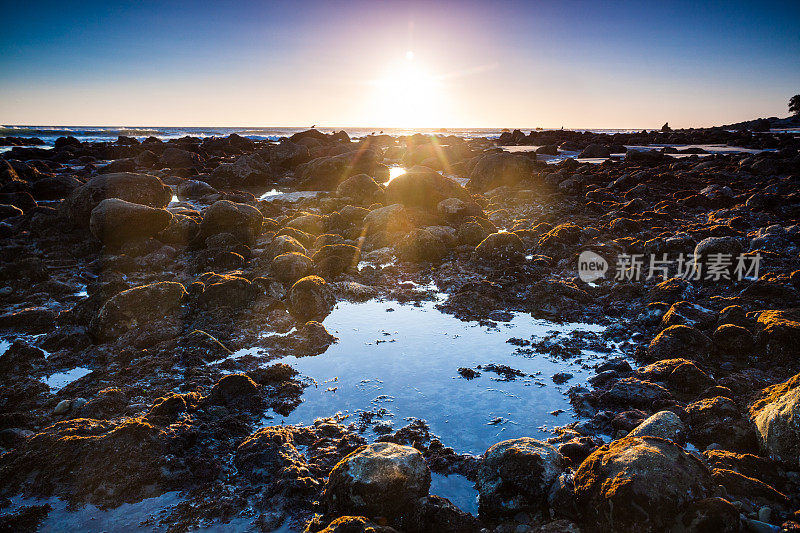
point(360, 187)
point(233, 389)
point(711, 514)
point(133, 307)
point(424, 188)
point(718, 245)
point(495, 170)
point(679, 341)
point(720, 420)
point(669, 290)
point(382, 225)
point(181, 230)
point(472, 233)
point(247, 171)
point(115, 222)
point(753, 489)
point(639, 484)
point(516, 475)
point(290, 267)
point(194, 189)
point(9, 211)
point(381, 479)
point(421, 245)
point(356, 524)
point(634, 392)
point(777, 420)
point(167, 409)
point(30, 320)
point(102, 462)
point(284, 244)
point(778, 333)
point(241, 220)
point(595, 150)
point(178, 158)
point(505, 246)
point(326, 173)
point(227, 292)
point(456, 210)
point(136, 188)
point(688, 314)
point(310, 298)
point(437, 514)
point(664, 424)
point(679, 375)
point(108, 403)
point(333, 259)
point(735, 340)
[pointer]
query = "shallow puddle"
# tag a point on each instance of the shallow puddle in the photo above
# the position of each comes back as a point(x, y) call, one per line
point(394, 363)
point(59, 380)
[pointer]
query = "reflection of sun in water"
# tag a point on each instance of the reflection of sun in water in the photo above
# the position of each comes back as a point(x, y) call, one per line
point(408, 95)
point(395, 171)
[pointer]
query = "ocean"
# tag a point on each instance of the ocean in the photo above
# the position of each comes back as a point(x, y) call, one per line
point(48, 134)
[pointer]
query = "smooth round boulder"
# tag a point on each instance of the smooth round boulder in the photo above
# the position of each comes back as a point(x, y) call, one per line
point(381, 479)
point(679, 341)
point(290, 267)
point(241, 220)
point(424, 188)
point(421, 245)
point(639, 484)
point(130, 308)
point(516, 475)
point(137, 188)
point(115, 222)
point(359, 187)
point(664, 424)
point(777, 421)
point(498, 169)
point(500, 246)
point(310, 298)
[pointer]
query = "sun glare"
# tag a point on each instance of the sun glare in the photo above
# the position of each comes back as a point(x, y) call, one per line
point(408, 95)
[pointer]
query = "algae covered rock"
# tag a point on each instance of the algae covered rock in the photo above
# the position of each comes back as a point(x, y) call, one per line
point(639, 484)
point(381, 479)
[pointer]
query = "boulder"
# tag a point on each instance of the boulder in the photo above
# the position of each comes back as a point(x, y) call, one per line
point(360, 187)
point(326, 173)
point(719, 420)
point(381, 479)
point(424, 188)
point(115, 222)
point(688, 314)
point(241, 220)
point(595, 150)
point(777, 420)
point(664, 424)
point(778, 333)
point(679, 342)
point(178, 158)
point(421, 245)
point(389, 219)
point(310, 298)
point(334, 259)
point(233, 389)
point(498, 169)
point(136, 188)
point(503, 246)
point(718, 245)
point(291, 266)
point(130, 308)
point(247, 171)
point(194, 189)
point(639, 484)
point(516, 475)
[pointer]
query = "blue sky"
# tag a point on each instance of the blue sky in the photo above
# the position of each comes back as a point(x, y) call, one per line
point(479, 64)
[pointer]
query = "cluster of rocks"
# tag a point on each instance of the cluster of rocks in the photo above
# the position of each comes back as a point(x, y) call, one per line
point(151, 263)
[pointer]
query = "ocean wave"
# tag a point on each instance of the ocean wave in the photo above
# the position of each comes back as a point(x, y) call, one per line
point(75, 131)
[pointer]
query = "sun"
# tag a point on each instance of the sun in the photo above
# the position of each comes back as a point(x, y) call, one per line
point(407, 95)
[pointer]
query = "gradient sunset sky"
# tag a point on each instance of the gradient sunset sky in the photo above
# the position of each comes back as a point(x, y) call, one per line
point(383, 64)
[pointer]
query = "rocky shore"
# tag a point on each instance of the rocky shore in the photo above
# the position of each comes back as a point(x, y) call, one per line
point(149, 264)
